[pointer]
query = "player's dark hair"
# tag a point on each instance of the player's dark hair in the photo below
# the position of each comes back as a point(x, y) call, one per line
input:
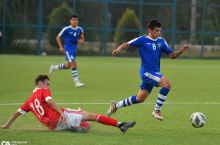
point(41, 78)
point(74, 16)
point(153, 24)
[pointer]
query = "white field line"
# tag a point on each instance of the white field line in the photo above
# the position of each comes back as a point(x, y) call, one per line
point(169, 103)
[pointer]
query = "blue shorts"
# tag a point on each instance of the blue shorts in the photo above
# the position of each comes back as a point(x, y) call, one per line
point(150, 80)
point(70, 55)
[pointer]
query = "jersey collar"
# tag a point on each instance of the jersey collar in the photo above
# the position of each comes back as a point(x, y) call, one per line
point(151, 38)
point(73, 27)
point(36, 89)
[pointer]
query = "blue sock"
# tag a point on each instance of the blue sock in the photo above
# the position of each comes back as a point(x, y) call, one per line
point(61, 66)
point(127, 102)
point(161, 98)
point(164, 91)
point(75, 74)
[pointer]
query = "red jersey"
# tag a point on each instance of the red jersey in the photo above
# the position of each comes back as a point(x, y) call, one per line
point(37, 104)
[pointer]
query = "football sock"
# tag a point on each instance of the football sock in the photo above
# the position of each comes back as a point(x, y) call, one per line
point(61, 66)
point(106, 120)
point(75, 74)
point(127, 102)
point(161, 98)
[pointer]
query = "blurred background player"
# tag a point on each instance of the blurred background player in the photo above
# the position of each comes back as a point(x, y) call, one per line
point(41, 104)
point(150, 49)
point(71, 35)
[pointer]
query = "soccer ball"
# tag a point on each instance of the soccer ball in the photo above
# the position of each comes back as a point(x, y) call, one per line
point(198, 119)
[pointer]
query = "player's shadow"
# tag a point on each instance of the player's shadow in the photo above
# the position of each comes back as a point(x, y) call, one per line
point(95, 132)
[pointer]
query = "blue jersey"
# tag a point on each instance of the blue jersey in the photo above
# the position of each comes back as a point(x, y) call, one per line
point(71, 36)
point(150, 51)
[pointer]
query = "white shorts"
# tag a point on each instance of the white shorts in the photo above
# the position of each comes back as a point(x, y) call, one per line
point(73, 118)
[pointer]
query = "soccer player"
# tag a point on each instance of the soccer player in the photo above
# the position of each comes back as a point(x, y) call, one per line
point(71, 35)
point(41, 104)
point(150, 49)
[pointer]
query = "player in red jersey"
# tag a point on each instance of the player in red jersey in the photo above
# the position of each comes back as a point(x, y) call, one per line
point(41, 104)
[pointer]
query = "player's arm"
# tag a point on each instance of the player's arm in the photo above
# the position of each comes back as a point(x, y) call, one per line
point(81, 38)
point(136, 42)
point(178, 52)
point(11, 119)
point(120, 47)
point(54, 106)
point(59, 42)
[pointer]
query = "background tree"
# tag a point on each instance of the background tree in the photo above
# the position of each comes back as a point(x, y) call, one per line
point(129, 20)
point(60, 16)
point(7, 35)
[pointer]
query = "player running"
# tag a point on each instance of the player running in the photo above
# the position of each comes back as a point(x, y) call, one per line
point(49, 114)
point(150, 49)
point(71, 35)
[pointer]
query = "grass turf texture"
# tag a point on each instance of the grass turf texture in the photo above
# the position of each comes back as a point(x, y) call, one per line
point(195, 86)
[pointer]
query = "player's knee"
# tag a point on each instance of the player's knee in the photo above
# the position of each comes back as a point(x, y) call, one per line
point(140, 100)
point(73, 65)
point(67, 65)
point(89, 116)
point(92, 117)
point(167, 85)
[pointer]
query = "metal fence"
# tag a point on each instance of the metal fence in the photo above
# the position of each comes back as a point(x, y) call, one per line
point(196, 22)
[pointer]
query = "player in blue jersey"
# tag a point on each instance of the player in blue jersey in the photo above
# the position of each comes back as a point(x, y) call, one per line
point(150, 49)
point(71, 35)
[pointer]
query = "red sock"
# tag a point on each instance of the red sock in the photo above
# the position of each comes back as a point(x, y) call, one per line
point(106, 120)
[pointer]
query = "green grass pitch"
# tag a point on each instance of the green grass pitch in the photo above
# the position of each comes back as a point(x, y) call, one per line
point(195, 87)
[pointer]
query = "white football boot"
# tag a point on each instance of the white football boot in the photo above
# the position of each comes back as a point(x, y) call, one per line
point(157, 114)
point(78, 84)
point(52, 68)
point(112, 109)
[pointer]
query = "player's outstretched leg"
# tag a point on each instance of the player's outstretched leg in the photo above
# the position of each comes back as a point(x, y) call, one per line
point(166, 85)
point(160, 101)
point(56, 67)
point(74, 72)
point(141, 96)
point(112, 109)
point(76, 78)
point(123, 126)
point(123, 103)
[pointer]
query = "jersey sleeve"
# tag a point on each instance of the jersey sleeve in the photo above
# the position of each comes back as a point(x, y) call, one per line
point(165, 48)
point(81, 30)
point(62, 32)
point(135, 42)
point(24, 108)
point(46, 94)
